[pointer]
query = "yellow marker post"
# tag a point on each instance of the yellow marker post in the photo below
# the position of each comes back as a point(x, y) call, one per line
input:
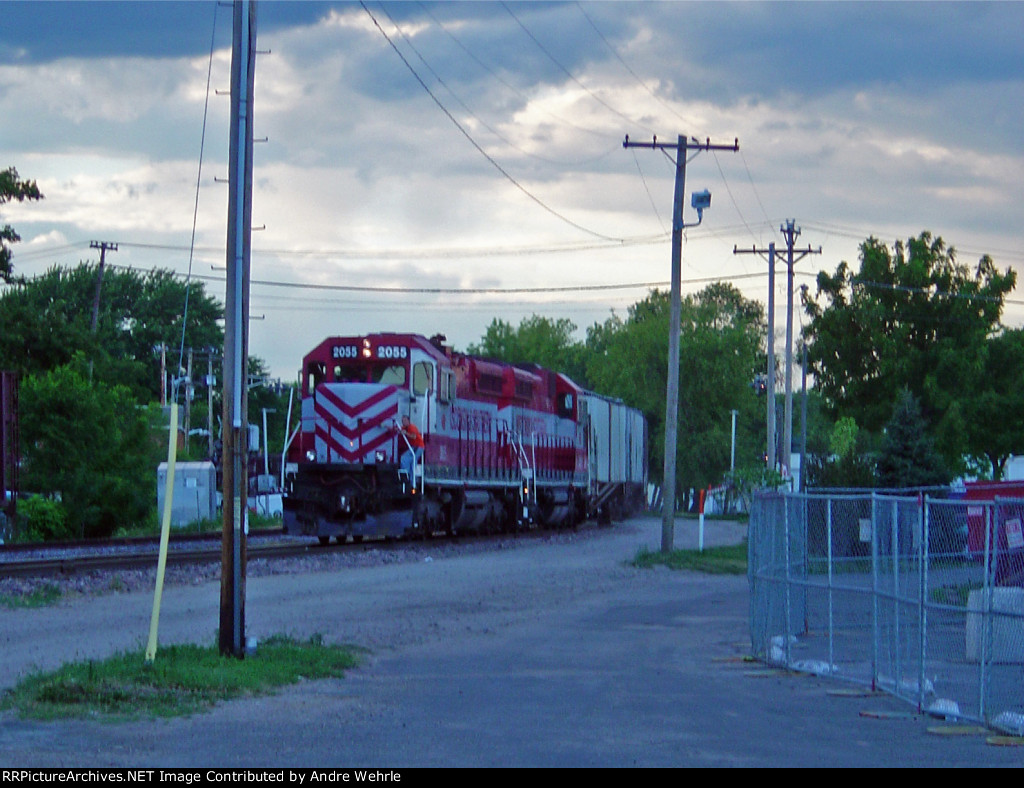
point(165, 529)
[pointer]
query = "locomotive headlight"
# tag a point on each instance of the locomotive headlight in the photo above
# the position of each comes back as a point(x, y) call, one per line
point(378, 456)
point(311, 455)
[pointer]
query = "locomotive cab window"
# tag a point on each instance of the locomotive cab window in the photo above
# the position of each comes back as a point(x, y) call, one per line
point(447, 390)
point(349, 373)
point(392, 374)
point(564, 403)
point(316, 373)
point(422, 378)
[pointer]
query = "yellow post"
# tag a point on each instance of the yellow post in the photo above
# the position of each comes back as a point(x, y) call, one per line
point(165, 529)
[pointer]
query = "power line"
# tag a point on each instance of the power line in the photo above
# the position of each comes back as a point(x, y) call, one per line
point(475, 144)
point(481, 121)
point(625, 65)
point(501, 79)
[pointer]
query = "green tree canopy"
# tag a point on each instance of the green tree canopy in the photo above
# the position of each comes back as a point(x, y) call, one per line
point(538, 340)
point(91, 445)
point(912, 317)
point(996, 414)
point(12, 188)
point(47, 321)
point(722, 347)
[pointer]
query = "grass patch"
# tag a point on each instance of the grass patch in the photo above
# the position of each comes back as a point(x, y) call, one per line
point(730, 560)
point(42, 596)
point(955, 596)
point(182, 680)
point(257, 522)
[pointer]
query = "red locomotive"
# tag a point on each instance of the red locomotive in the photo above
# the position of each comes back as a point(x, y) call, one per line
point(503, 446)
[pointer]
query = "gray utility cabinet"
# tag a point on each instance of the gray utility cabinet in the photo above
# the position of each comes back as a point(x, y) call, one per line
point(195, 492)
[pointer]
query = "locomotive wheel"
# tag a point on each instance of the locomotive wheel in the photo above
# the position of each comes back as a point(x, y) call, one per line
point(324, 540)
point(357, 538)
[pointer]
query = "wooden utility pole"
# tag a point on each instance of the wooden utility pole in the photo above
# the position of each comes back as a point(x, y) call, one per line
point(769, 350)
point(790, 231)
point(103, 246)
point(236, 334)
point(682, 147)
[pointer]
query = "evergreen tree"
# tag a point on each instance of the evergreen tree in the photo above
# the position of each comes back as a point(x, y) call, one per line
point(908, 457)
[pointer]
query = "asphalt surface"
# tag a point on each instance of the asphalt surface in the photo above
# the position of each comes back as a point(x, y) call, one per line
point(547, 654)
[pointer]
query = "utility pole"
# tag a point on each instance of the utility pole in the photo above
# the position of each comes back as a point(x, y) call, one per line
point(163, 373)
point(790, 231)
point(732, 449)
point(209, 401)
point(682, 147)
point(770, 350)
point(236, 334)
point(803, 411)
point(103, 246)
point(188, 399)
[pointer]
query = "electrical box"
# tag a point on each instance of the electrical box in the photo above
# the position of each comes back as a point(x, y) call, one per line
point(194, 494)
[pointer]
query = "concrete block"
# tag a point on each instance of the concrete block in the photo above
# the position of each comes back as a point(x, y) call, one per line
point(1007, 625)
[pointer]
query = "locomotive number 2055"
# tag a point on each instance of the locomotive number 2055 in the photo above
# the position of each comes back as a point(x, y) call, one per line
point(383, 351)
point(392, 351)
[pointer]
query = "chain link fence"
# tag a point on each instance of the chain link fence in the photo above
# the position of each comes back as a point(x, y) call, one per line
point(919, 596)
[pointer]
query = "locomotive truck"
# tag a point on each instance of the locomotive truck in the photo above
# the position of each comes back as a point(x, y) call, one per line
point(505, 446)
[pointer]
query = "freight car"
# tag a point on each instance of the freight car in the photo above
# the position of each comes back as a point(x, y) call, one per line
point(505, 446)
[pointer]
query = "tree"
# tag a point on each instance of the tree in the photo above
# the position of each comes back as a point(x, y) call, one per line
point(538, 340)
point(49, 322)
point(908, 457)
point(847, 464)
point(90, 445)
point(722, 341)
point(996, 415)
point(12, 188)
point(914, 318)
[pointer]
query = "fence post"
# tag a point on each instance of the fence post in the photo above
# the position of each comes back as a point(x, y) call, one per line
point(894, 547)
point(874, 594)
point(924, 517)
point(831, 616)
point(986, 621)
point(789, 612)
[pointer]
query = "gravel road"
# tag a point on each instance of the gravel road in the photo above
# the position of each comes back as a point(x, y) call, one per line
point(531, 652)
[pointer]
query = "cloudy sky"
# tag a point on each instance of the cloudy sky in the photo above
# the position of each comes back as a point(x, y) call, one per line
point(476, 148)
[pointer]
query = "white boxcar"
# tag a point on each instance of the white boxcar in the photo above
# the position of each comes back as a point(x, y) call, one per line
point(617, 454)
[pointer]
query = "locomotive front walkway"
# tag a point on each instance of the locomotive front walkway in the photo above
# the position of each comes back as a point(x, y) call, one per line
point(547, 654)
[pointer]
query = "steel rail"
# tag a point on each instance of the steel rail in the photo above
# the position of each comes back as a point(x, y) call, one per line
point(66, 565)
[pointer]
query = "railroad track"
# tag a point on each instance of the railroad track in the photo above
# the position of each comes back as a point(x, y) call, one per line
point(145, 554)
point(142, 552)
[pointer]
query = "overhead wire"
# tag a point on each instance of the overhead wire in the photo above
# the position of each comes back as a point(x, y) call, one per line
point(475, 116)
point(626, 65)
point(527, 99)
point(475, 144)
point(647, 189)
point(464, 290)
point(569, 74)
point(199, 175)
point(673, 110)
